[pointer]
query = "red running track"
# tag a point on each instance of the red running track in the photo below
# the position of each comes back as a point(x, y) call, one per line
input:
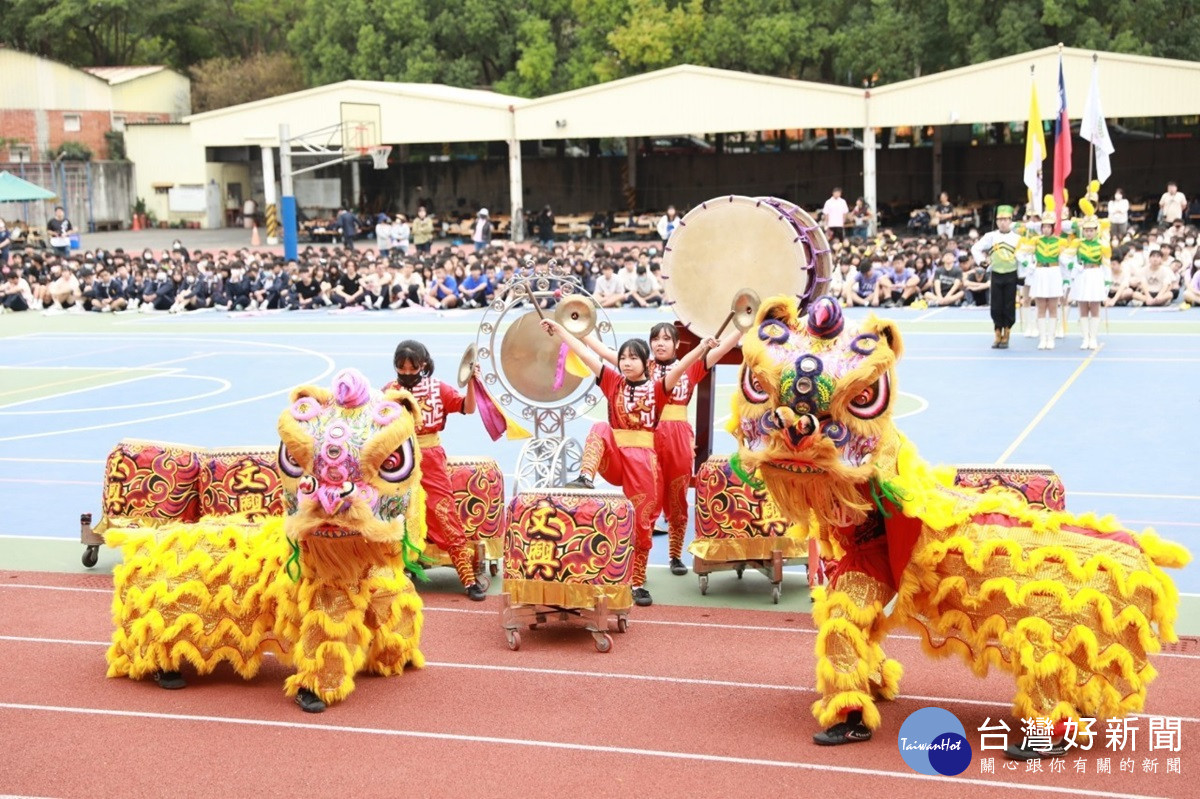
point(690, 703)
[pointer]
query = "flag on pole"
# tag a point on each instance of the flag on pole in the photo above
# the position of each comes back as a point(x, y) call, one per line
point(1035, 151)
point(1062, 151)
point(1093, 128)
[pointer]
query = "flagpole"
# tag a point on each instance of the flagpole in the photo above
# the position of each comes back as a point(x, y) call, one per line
point(1091, 144)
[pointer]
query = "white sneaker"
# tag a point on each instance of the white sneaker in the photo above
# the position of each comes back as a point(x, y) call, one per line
point(53, 310)
point(253, 306)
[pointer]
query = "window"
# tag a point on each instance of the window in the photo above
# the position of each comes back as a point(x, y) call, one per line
point(20, 154)
point(72, 123)
point(153, 119)
point(118, 123)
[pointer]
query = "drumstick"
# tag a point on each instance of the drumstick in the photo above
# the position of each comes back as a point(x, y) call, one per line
point(533, 299)
point(725, 324)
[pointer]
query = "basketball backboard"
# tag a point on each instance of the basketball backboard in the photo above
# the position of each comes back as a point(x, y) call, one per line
point(361, 128)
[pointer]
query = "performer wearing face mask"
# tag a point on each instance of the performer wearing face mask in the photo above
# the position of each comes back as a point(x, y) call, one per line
point(414, 374)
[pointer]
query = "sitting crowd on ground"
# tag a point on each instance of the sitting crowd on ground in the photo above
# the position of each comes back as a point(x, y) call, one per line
point(1157, 267)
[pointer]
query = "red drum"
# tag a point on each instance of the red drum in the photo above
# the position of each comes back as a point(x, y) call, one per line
point(479, 495)
point(1040, 486)
point(478, 486)
point(735, 522)
point(569, 548)
point(151, 483)
point(241, 480)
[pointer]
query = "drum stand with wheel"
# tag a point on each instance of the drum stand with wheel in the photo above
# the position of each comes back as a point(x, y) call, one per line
point(516, 617)
point(772, 569)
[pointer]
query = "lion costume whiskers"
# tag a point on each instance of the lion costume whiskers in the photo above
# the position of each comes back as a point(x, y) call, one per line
point(324, 588)
point(1071, 605)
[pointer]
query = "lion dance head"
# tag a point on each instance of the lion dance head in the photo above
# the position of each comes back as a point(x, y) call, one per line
point(350, 468)
point(813, 413)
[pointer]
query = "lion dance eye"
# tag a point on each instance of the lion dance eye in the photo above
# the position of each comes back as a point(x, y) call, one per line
point(398, 466)
point(752, 388)
point(872, 400)
point(288, 464)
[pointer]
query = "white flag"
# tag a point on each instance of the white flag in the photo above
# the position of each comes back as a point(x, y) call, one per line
point(1093, 128)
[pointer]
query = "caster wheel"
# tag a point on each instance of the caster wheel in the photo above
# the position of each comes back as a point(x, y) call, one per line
point(493, 568)
point(703, 584)
point(776, 591)
point(91, 555)
point(622, 624)
point(603, 642)
point(740, 570)
point(514, 639)
point(482, 580)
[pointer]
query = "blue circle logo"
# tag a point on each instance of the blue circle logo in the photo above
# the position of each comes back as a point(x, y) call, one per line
point(932, 741)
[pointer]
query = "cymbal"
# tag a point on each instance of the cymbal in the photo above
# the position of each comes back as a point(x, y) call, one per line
point(466, 366)
point(529, 361)
point(577, 314)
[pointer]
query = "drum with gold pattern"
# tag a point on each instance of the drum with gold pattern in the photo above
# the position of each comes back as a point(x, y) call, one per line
point(569, 548)
point(736, 522)
point(478, 486)
point(151, 483)
point(1040, 486)
point(241, 480)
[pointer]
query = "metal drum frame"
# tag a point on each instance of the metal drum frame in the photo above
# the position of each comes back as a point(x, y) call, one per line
point(550, 457)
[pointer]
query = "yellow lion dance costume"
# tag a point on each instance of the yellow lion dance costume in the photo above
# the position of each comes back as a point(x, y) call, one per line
point(1071, 605)
point(324, 589)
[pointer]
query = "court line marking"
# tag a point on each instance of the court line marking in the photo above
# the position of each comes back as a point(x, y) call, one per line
point(223, 387)
point(1050, 404)
point(1189, 497)
point(49, 482)
point(929, 314)
point(659, 622)
point(330, 367)
point(97, 373)
point(52, 460)
point(567, 746)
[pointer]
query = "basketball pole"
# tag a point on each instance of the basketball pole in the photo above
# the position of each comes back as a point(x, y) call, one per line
point(287, 203)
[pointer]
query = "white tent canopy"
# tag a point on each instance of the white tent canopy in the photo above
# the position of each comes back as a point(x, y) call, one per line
point(691, 99)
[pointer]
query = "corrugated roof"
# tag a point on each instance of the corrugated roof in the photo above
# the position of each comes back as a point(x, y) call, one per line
point(116, 75)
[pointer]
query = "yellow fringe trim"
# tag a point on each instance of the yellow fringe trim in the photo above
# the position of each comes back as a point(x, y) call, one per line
point(758, 548)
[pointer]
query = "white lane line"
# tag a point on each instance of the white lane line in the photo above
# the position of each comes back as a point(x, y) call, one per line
point(929, 314)
point(492, 740)
point(607, 675)
point(99, 386)
point(661, 623)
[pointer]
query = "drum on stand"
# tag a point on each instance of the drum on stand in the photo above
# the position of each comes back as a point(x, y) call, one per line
point(568, 553)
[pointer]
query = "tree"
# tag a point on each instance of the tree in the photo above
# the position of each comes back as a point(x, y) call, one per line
point(221, 82)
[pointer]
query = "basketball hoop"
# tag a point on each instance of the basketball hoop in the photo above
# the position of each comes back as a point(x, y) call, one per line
point(379, 155)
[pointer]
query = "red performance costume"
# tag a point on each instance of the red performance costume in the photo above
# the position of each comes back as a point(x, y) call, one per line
point(436, 400)
point(675, 443)
point(622, 452)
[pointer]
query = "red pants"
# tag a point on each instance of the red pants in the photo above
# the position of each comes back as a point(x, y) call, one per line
point(441, 514)
point(675, 443)
point(635, 470)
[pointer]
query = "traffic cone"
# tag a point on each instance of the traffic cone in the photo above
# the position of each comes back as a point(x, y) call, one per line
point(137, 221)
point(254, 240)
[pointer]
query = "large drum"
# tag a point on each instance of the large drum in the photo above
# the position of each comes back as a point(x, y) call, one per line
point(478, 486)
point(569, 548)
point(1040, 486)
point(151, 483)
point(735, 522)
point(731, 243)
point(242, 480)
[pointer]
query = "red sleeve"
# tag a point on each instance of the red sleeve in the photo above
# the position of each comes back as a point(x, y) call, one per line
point(609, 381)
point(697, 371)
point(452, 401)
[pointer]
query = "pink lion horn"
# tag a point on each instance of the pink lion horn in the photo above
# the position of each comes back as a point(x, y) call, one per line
point(351, 389)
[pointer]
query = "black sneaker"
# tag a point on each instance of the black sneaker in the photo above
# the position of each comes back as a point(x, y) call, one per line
point(677, 567)
point(476, 592)
point(850, 731)
point(642, 598)
point(309, 702)
point(581, 482)
point(171, 680)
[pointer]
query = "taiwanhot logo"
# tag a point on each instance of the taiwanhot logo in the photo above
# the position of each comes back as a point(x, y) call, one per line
point(932, 741)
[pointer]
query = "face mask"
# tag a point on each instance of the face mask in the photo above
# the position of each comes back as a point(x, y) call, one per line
point(408, 381)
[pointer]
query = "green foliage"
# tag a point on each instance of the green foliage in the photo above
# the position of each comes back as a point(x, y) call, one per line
point(221, 82)
point(72, 151)
point(115, 141)
point(537, 47)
